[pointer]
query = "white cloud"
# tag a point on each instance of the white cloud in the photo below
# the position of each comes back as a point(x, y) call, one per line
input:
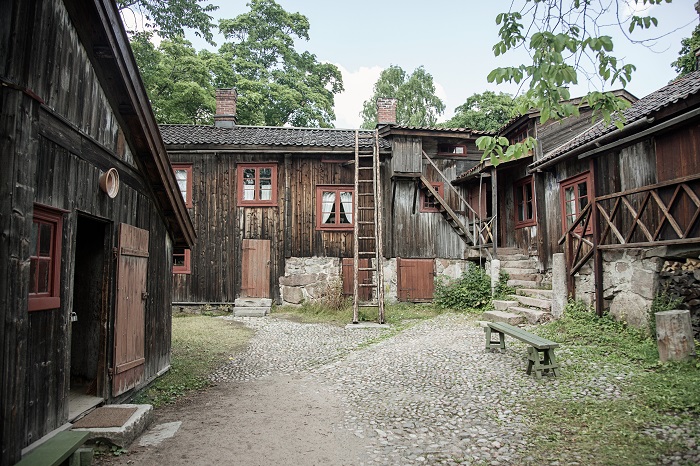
point(358, 88)
point(635, 8)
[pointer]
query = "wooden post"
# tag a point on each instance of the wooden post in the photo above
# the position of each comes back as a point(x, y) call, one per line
point(674, 335)
point(597, 253)
point(494, 210)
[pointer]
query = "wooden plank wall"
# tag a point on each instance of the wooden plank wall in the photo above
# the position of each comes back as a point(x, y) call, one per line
point(524, 238)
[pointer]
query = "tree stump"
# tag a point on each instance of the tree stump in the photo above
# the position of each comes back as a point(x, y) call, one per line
point(674, 335)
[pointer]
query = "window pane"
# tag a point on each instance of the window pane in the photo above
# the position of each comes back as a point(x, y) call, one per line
point(266, 173)
point(45, 233)
point(583, 189)
point(528, 192)
point(265, 189)
point(530, 213)
point(459, 150)
point(181, 177)
point(43, 276)
point(248, 189)
point(249, 173)
point(32, 275)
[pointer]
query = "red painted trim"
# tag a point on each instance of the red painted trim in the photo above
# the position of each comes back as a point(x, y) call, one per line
point(440, 188)
point(520, 186)
point(256, 202)
point(52, 298)
point(188, 168)
point(567, 183)
point(186, 268)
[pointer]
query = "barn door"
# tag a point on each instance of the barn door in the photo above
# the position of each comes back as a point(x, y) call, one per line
point(415, 279)
point(255, 268)
point(129, 320)
point(364, 276)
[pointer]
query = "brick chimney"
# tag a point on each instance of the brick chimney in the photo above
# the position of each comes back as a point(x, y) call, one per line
point(225, 116)
point(386, 111)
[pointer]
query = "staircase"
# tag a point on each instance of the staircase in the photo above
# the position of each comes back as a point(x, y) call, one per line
point(367, 237)
point(531, 304)
point(447, 213)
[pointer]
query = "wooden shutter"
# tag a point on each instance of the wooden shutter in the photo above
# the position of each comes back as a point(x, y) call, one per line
point(129, 319)
point(415, 280)
point(255, 268)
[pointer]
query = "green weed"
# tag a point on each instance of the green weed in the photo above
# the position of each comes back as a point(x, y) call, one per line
point(469, 293)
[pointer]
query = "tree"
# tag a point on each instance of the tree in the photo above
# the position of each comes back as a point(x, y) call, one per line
point(564, 39)
point(177, 79)
point(484, 112)
point(276, 84)
point(169, 18)
point(686, 60)
point(417, 103)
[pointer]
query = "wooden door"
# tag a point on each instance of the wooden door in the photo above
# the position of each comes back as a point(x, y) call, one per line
point(365, 276)
point(129, 319)
point(415, 279)
point(255, 268)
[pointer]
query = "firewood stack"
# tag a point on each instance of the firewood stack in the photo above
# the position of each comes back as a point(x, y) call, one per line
point(682, 280)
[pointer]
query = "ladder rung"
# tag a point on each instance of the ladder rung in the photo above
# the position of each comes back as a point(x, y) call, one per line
point(365, 181)
point(365, 194)
point(367, 237)
point(364, 222)
point(366, 268)
point(367, 253)
point(367, 304)
point(365, 168)
point(367, 285)
point(365, 208)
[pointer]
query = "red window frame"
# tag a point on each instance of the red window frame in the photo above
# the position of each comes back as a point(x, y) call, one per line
point(522, 206)
point(574, 203)
point(257, 167)
point(47, 231)
point(187, 194)
point(426, 205)
point(181, 266)
point(519, 136)
point(451, 149)
point(337, 207)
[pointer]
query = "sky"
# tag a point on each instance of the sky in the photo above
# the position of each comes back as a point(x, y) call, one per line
point(452, 40)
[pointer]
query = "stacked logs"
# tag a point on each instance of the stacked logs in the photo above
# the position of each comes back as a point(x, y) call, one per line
point(682, 280)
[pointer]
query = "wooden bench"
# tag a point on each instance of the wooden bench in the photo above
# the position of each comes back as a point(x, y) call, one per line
point(537, 345)
point(58, 450)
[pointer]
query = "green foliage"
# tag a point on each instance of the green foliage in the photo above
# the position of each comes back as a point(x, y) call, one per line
point(503, 290)
point(471, 292)
point(661, 302)
point(498, 149)
point(563, 40)
point(484, 112)
point(177, 79)
point(417, 103)
point(686, 59)
point(170, 18)
point(276, 84)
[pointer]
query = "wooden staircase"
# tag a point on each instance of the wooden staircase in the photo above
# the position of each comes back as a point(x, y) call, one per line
point(367, 229)
point(447, 213)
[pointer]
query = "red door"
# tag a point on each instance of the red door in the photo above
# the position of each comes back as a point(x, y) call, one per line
point(415, 279)
point(255, 267)
point(365, 276)
point(129, 319)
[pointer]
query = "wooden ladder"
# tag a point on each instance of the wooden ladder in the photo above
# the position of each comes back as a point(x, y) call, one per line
point(367, 233)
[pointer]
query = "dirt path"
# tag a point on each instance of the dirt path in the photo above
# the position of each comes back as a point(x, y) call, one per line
point(271, 421)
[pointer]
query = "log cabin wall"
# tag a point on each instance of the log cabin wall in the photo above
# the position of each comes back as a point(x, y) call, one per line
point(59, 133)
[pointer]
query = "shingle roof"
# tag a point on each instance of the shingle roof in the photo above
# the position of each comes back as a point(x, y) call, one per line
point(241, 135)
point(670, 94)
point(466, 131)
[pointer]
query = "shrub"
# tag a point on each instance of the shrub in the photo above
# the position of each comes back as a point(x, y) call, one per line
point(470, 292)
point(503, 290)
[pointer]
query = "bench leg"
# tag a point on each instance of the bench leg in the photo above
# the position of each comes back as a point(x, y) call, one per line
point(533, 362)
point(500, 344)
point(548, 361)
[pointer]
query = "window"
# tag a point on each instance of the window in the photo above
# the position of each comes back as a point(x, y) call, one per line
point(520, 136)
point(45, 259)
point(257, 184)
point(334, 207)
point(524, 199)
point(183, 175)
point(181, 260)
point(452, 149)
point(429, 203)
point(575, 195)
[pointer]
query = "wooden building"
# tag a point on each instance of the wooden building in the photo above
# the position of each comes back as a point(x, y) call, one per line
point(89, 215)
point(272, 206)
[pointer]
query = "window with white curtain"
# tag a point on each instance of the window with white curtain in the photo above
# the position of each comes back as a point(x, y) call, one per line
point(334, 207)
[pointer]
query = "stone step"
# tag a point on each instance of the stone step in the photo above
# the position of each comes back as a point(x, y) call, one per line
point(121, 435)
point(250, 311)
point(532, 277)
point(521, 271)
point(536, 292)
point(519, 264)
point(523, 283)
point(503, 304)
point(532, 315)
point(502, 316)
point(535, 302)
point(512, 257)
point(253, 302)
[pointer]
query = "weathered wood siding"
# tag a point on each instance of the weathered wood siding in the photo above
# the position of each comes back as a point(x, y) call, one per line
point(555, 133)
point(523, 238)
point(406, 154)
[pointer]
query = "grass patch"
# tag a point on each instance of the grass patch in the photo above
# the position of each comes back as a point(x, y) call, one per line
point(610, 431)
point(200, 344)
point(318, 312)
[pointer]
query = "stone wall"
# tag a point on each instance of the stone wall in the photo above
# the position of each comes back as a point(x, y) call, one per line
point(682, 280)
point(630, 283)
point(307, 278)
